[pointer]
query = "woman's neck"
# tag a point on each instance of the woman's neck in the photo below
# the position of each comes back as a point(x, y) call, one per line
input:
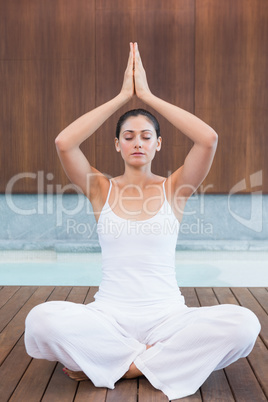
point(139, 176)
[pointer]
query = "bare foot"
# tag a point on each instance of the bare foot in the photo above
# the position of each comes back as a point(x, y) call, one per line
point(75, 375)
point(133, 371)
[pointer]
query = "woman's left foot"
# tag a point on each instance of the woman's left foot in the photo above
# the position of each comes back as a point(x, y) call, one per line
point(75, 375)
point(133, 371)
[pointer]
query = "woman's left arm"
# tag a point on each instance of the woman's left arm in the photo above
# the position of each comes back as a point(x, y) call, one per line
point(196, 166)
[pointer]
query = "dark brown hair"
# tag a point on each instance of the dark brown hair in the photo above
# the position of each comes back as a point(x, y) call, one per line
point(137, 112)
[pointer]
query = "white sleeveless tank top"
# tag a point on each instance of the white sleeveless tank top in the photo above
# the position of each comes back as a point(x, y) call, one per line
point(138, 258)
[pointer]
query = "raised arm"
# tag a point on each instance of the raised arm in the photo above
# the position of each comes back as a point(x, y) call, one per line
point(74, 162)
point(187, 178)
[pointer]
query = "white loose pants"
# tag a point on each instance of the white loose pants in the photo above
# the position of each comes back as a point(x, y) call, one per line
point(103, 341)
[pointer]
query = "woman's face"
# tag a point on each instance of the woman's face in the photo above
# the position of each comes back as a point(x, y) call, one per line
point(138, 141)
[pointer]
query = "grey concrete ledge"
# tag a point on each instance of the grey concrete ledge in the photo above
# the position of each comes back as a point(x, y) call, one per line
point(59, 246)
point(223, 245)
point(85, 247)
point(67, 223)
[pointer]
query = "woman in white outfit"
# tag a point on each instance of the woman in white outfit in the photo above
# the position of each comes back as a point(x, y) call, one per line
point(139, 323)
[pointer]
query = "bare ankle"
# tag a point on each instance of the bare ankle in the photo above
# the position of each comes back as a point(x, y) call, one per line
point(133, 371)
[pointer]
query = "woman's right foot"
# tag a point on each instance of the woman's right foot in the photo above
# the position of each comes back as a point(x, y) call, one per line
point(133, 371)
point(75, 375)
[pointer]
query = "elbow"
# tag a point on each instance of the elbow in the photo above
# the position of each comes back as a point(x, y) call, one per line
point(59, 143)
point(65, 142)
point(213, 139)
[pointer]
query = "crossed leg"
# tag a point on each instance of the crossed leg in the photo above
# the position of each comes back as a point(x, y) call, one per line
point(190, 343)
point(133, 372)
point(73, 334)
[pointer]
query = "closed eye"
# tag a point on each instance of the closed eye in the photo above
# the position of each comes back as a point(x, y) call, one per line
point(145, 138)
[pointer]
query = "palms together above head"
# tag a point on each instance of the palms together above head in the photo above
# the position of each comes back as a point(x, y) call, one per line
point(135, 80)
point(128, 88)
point(140, 79)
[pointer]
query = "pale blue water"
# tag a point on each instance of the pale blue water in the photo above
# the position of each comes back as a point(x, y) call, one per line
point(193, 268)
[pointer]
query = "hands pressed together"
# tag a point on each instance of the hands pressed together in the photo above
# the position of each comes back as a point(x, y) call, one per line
point(135, 81)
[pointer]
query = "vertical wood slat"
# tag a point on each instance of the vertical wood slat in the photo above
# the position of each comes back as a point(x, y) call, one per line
point(12, 370)
point(238, 373)
point(34, 381)
point(147, 393)
point(205, 295)
point(125, 390)
point(165, 34)
point(87, 392)
point(258, 357)
point(60, 388)
point(49, 95)
point(192, 398)
point(90, 296)
point(244, 383)
point(15, 328)
point(247, 300)
point(6, 293)
point(45, 30)
point(216, 385)
point(32, 385)
point(191, 300)
point(47, 80)
point(261, 294)
point(11, 308)
point(230, 87)
point(15, 358)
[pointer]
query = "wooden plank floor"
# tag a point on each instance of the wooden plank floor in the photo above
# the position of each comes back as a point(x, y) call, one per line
point(25, 379)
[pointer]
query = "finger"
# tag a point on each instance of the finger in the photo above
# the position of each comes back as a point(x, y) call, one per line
point(137, 54)
point(130, 57)
point(133, 56)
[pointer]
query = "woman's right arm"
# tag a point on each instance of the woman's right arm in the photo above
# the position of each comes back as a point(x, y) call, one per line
point(86, 125)
point(74, 162)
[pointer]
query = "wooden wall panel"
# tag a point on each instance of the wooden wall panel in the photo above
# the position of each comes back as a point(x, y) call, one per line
point(41, 97)
point(59, 59)
point(165, 34)
point(47, 79)
point(39, 29)
point(231, 81)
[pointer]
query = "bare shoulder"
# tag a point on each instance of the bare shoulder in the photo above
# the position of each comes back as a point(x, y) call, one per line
point(160, 179)
point(157, 180)
point(97, 182)
point(173, 183)
point(174, 195)
point(99, 188)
